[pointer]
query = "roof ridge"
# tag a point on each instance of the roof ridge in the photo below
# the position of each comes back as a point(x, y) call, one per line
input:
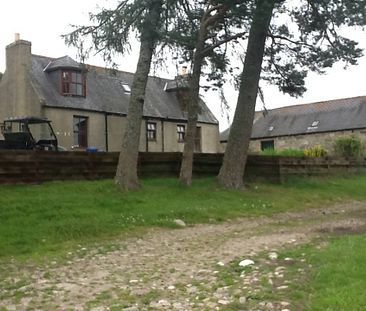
point(106, 69)
point(331, 101)
point(100, 68)
point(42, 56)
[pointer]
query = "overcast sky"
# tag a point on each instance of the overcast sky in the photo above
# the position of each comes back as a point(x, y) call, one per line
point(43, 21)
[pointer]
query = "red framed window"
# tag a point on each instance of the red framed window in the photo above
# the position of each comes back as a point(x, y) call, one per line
point(73, 83)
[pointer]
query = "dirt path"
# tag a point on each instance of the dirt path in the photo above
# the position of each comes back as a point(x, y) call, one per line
point(167, 269)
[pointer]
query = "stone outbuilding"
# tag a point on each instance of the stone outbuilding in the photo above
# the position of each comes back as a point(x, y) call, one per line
point(308, 125)
point(88, 105)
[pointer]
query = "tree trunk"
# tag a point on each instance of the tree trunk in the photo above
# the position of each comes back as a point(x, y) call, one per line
point(186, 168)
point(126, 174)
point(232, 170)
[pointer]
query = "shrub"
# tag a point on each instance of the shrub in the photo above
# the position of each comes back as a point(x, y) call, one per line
point(348, 146)
point(315, 152)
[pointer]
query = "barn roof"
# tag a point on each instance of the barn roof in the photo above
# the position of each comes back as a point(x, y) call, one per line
point(325, 116)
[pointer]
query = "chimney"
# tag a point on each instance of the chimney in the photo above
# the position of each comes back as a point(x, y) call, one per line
point(18, 55)
point(16, 77)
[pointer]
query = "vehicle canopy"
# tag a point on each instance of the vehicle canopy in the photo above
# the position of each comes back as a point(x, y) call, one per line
point(29, 133)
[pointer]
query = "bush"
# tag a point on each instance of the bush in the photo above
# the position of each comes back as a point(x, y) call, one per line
point(288, 152)
point(348, 146)
point(315, 152)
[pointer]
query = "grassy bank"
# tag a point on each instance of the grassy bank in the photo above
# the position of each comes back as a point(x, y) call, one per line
point(41, 219)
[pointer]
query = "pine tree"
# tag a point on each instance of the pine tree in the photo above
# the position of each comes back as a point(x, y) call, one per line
point(287, 39)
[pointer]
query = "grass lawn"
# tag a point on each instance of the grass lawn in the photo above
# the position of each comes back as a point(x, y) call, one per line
point(337, 278)
point(43, 219)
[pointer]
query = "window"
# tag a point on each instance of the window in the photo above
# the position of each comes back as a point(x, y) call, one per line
point(80, 131)
point(126, 88)
point(73, 83)
point(267, 144)
point(151, 131)
point(313, 126)
point(181, 131)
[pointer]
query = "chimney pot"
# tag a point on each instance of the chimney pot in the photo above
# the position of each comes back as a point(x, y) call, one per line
point(17, 36)
point(184, 70)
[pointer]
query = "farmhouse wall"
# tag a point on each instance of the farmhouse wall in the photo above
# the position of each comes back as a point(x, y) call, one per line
point(62, 122)
point(325, 140)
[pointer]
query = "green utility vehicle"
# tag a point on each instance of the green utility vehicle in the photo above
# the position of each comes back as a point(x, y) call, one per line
point(28, 133)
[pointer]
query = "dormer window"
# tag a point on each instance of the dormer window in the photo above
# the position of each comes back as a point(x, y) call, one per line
point(73, 83)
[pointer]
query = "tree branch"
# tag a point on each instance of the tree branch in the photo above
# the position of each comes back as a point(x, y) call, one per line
point(221, 42)
point(273, 37)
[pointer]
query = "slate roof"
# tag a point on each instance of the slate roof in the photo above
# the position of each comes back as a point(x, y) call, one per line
point(224, 135)
point(180, 83)
point(105, 93)
point(326, 116)
point(65, 62)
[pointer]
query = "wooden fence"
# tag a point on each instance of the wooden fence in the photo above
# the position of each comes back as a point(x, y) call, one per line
point(38, 166)
point(290, 167)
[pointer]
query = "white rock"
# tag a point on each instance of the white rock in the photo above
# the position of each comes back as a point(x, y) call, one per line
point(171, 287)
point(273, 255)
point(134, 281)
point(282, 287)
point(179, 222)
point(220, 263)
point(160, 303)
point(246, 262)
point(223, 302)
point(280, 269)
point(242, 300)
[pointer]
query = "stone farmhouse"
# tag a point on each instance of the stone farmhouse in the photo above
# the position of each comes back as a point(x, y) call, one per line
point(88, 105)
point(308, 125)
